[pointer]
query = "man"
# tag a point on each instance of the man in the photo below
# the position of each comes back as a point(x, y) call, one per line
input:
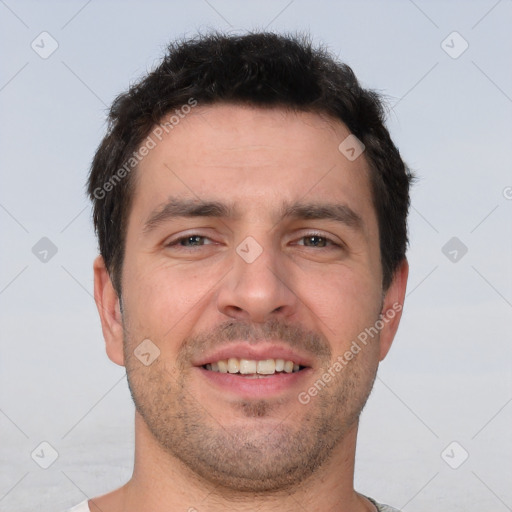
point(251, 214)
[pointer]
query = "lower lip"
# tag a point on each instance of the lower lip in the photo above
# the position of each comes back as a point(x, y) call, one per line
point(261, 387)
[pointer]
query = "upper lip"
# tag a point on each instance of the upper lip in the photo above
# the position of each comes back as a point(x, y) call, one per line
point(260, 351)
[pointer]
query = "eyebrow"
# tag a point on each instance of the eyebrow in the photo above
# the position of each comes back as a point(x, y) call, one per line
point(324, 211)
point(177, 207)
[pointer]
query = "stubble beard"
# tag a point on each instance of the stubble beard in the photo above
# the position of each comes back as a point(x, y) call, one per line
point(266, 450)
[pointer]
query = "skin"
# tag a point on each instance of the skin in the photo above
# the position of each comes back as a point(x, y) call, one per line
point(197, 447)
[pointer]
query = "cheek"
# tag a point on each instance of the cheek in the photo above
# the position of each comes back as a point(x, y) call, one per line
point(345, 304)
point(162, 299)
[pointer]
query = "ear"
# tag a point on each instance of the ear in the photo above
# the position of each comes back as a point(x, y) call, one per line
point(107, 302)
point(392, 307)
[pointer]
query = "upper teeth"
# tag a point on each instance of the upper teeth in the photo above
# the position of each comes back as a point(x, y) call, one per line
point(251, 366)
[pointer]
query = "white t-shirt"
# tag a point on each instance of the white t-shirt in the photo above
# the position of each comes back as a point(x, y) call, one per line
point(84, 507)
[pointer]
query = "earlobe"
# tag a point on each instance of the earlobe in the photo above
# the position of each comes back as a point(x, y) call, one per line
point(392, 308)
point(109, 309)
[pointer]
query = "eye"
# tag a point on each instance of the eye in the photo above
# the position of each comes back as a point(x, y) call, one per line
point(190, 241)
point(317, 240)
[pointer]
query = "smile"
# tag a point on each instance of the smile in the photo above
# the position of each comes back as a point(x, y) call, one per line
point(252, 367)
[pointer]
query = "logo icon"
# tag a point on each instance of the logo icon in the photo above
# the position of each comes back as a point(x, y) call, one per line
point(146, 352)
point(44, 250)
point(454, 455)
point(44, 45)
point(249, 250)
point(454, 249)
point(454, 45)
point(351, 148)
point(44, 455)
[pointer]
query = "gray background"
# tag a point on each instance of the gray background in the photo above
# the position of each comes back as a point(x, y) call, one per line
point(448, 377)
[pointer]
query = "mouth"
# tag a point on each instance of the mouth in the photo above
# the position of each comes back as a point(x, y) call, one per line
point(262, 371)
point(253, 368)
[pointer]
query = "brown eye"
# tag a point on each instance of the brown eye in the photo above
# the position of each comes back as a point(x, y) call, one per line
point(193, 240)
point(318, 240)
point(315, 241)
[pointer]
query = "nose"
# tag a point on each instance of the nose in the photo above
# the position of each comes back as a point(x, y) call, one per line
point(257, 290)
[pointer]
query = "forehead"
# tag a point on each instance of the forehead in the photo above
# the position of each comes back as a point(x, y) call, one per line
point(257, 159)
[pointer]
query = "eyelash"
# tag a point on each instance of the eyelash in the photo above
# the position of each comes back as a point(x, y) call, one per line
point(329, 241)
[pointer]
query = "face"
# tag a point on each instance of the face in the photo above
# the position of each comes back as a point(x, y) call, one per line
point(252, 263)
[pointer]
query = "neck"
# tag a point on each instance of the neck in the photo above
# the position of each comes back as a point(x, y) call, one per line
point(161, 483)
